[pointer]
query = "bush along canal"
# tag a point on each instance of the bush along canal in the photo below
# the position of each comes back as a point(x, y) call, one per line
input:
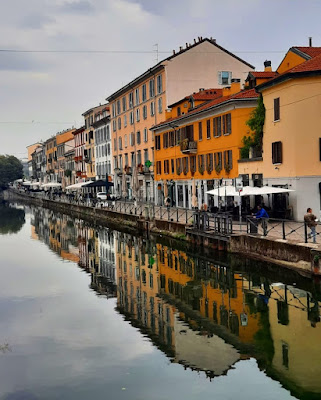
point(89, 309)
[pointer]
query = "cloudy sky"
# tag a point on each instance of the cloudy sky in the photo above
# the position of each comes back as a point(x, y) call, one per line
point(96, 46)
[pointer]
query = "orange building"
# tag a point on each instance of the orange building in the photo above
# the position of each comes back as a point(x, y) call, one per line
point(51, 157)
point(65, 143)
point(142, 103)
point(199, 144)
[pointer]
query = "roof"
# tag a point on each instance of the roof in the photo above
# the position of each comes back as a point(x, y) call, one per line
point(242, 95)
point(310, 52)
point(159, 65)
point(79, 130)
point(202, 95)
point(309, 67)
point(93, 109)
point(263, 74)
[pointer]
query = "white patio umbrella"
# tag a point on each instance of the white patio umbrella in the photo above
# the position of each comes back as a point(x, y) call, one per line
point(272, 190)
point(77, 186)
point(51, 185)
point(124, 186)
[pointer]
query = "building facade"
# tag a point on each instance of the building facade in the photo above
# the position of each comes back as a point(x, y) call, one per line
point(196, 149)
point(291, 138)
point(142, 103)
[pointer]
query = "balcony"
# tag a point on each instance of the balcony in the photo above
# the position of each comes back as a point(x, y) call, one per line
point(78, 158)
point(128, 170)
point(188, 146)
point(142, 169)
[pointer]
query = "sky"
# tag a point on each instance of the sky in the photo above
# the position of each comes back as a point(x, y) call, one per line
point(71, 54)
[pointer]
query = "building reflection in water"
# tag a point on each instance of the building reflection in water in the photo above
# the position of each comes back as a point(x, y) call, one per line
point(203, 314)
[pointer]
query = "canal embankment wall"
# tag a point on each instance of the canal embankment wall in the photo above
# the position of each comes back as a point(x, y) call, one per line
point(299, 257)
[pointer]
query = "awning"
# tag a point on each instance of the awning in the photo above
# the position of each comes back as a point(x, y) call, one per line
point(51, 185)
point(77, 186)
point(100, 182)
point(247, 191)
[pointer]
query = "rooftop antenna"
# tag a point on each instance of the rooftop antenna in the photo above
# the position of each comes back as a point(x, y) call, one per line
point(156, 51)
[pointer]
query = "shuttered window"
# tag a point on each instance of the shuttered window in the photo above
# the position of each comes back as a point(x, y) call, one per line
point(277, 109)
point(277, 152)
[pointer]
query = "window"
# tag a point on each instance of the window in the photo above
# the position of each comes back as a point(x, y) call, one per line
point(172, 138)
point(139, 157)
point(200, 132)
point(137, 114)
point(132, 139)
point(179, 111)
point(172, 166)
point(277, 152)
point(227, 124)
point(209, 162)
point(201, 164)
point(224, 78)
point(145, 155)
point(157, 142)
point(114, 125)
point(126, 158)
point(124, 103)
point(115, 144)
point(178, 137)
point(159, 84)
point(120, 146)
point(118, 107)
point(165, 140)
point(113, 113)
point(131, 99)
point(125, 120)
point(119, 123)
point(217, 127)
point(131, 117)
point(144, 96)
point(193, 164)
point(145, 112)
point(158, 167)
point(160, 105)
point(125, 141)
point(152, 108)
point(277, 109)
point(108, 133)
point(185, 165)
point(145, 135)
point(178, 166)
point(151, 88)
point(218, 161)
point(138, 137)
point(228, 161)
point(137, 96)
point(166, 166)
point(208, 129)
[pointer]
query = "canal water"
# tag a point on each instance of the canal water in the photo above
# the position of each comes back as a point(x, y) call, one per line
point(87, 312)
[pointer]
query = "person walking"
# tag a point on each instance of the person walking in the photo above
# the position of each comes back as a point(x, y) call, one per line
point(311, 221)
point(263, 216)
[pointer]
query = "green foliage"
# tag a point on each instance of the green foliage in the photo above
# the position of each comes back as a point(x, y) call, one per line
point(255, 123)
point(10, 170)
point(68, 173)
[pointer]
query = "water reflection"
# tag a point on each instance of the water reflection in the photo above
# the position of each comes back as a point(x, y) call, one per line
point(12, 219)
point(202, 313)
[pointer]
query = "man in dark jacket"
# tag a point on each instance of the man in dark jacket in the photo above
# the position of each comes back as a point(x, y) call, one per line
point(311, 221)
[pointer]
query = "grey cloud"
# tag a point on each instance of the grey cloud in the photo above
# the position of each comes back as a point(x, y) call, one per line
point(20, 62)
point(35, 21)
point(77, 7)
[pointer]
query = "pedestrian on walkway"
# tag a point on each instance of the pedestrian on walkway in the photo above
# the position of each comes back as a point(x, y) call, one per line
point(311, 221)
point(263, 216)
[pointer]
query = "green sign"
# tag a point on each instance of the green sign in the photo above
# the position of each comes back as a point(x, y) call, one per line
point(151, 261)
point(148, 164)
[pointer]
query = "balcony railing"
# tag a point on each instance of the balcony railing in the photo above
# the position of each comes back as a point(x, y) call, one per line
point(188, 146)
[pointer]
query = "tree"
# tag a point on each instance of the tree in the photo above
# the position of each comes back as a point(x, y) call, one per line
point(255, 123)
point(10, 170)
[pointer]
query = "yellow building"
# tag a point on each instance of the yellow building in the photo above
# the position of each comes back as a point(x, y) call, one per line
point(51, 158)
point(65, 143)
point(142, 103)
point(199, 143)
point(291, 137)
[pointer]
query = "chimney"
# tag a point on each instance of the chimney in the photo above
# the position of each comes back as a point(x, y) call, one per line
point(201, 89)
point(186, 45)
point(310, 41)
point(180, 48)
point(173, 52)
point(267, 66)
point(234, 88)
point(194, 41)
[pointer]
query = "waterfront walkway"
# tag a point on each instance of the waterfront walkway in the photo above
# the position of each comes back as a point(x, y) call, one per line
point(223, 223)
